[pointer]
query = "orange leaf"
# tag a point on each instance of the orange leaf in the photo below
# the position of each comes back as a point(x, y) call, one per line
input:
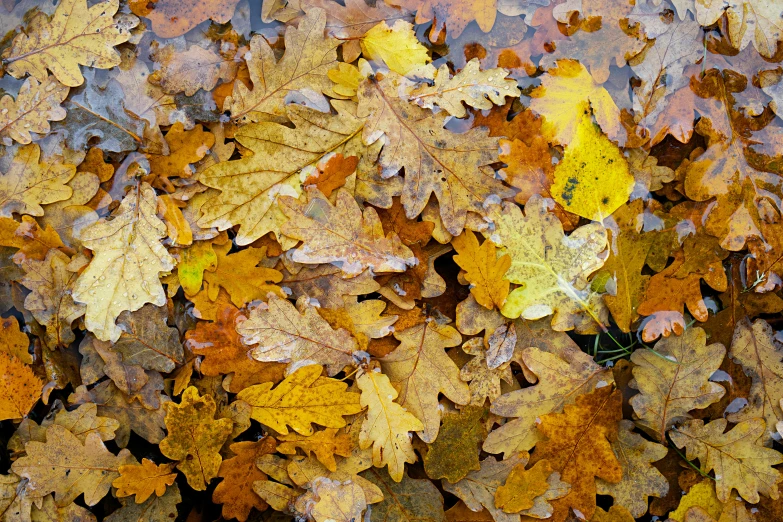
point(239, 473)
point(144, 479)
point(484, 270)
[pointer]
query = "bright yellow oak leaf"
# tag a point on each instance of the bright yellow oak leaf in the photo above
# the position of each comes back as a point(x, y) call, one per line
point(396, 46)
point(30, 183)
point(65, 466)
point(701, 495)
point(128, 258)
point(304, 398)
point(250, 187)
point(76, 35)
point(552, 268)
point(308, 57)
point(522, 487)
point(35, 106)
point(19, 387)
point(193, 262)
point(592, 180)
point(344, 233)
point(144, 479)
point(287, 334)
point(324, 444)
point(387, 425)
point(195, 437)
point(566, 93)
point(736, 457)
point(240, 275)
point(674, 380)
point(483, 269)
point(421, 370)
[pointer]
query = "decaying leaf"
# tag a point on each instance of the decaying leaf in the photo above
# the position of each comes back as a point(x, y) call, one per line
point(239, 473)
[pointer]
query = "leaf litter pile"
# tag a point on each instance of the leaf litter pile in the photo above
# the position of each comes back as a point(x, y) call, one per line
point(404, 260)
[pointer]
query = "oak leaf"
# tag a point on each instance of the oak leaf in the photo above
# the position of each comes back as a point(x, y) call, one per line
point(301, 400)
point(484, 270)
point(144, 479)
point(128, 259)
point(35, 106)
point(747, 20)
point(20, 387)
point(156, 508)
point(325, 284)
point(224, 354)
point(193, 69)
point(420, 369)
point(528, 167)
point(255, 281)
point(395, 46)
point(477, 89)
point(251, 187)
point(13, 341)
point(522, 486)
point(239, 473)
point(147, 340)
point(736, 457)
point(172, 18)
point(337, 501)
point(567, 91)
point(76, 35)
point(455, 167)
point(407, 499)
point(344, 234)
point(67, 467)
point(579, 448)
point(185, 147)
point(324, 444)
point(195, 437)
point(80, 422)
point(309, 56)
point(387, 425)
point(640, 479)
point(287, 334)
point(456, 450)
point(552, 266)
point(592, 180)
point(674, 380)
point(30, 183)
point(331, 172)
point(193, 261)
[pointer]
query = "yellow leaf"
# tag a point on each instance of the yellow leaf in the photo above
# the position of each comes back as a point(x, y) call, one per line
point(700, 495)
point(194, 260)
point(36, 105)
point(324, 444)
point(738, 459)
point(387, 425)
point(301, 400)
point(144, 479)
point(396, 46)
point(522, 487)
point(240, 275)
point(420, 368)
point(283, 334)
point(566, 94)
point(674, 380)
point(484, 271)
point(592, 180)
point(77, 35)
point(307, 59)
point(128, 259)
point(195, 437)
point(66, 466)
point(19, 387)
point(13, 341)
point(29, 184)
point(347, 77)
point(345, 233)
point(552, 267)
point(178, 228)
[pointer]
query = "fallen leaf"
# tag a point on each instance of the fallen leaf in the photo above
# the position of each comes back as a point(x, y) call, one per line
point(144, 479)
point(396, 46)
point(456, 450)
point(21, 388)
point(239, 473)
point(37, 103)
point(173, 18)
point(30, 183)
point(323, 444)
point(484, 270)
point(522, 486)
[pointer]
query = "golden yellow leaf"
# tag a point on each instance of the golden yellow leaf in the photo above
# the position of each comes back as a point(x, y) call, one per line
point(29, 183)
point(301, 400)
point(484, 270)
point(195, 437)
point(76, 35)
point(324, 444)
point(13, 341)
point(738, 459)
point(19, 387)
point(566, 93)
point(396, 46)
point(592, 180)
point(552, 267)
point(344, 234)
point(347, 77)
point(522, 487)
point(240, 275)
point(338, 501)
point(251, 187)
point(144, 479)
point(308, 58)
point(68, 468)
point(478, 89)
point(701, 495)
point(675, 380)
point(128, 259)
point(420, 369)
point(37, 104)
point(387, 425)
point(193, 261)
